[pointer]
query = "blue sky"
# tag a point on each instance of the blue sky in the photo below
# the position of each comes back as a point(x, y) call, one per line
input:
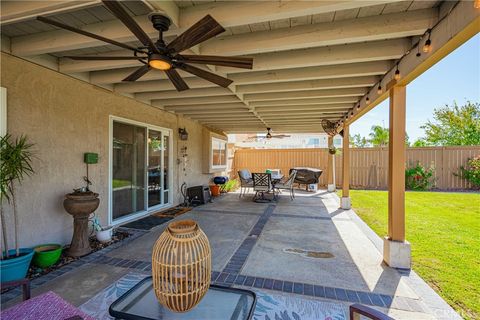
point(455, 78)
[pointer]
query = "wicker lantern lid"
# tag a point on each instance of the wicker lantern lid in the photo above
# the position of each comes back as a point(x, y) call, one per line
point(181, 266)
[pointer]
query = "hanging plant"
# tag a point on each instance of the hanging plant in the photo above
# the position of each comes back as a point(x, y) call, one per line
point(332, 150)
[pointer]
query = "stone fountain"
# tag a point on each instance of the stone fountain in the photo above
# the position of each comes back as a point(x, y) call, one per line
point(80, 205)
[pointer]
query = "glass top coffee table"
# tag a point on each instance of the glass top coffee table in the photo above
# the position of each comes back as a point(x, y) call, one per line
point(219, 303)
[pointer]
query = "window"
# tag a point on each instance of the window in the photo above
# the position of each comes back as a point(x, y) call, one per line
point(219, 153)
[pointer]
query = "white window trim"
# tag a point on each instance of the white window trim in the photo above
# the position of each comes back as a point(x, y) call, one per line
point(140, 214)
point(3, 111)
point(222, 166)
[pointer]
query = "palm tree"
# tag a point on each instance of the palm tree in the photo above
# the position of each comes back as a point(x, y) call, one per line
point(379, 136)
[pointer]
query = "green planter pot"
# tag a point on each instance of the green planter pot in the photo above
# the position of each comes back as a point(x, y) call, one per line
point(47, 255)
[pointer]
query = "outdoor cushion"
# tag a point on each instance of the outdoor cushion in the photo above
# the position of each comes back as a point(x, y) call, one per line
point(48, 306)
point(245, 174)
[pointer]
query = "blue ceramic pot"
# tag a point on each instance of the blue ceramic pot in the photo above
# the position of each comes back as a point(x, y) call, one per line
point(16, 268)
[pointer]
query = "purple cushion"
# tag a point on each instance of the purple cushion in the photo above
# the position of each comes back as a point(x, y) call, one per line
point(48, 306)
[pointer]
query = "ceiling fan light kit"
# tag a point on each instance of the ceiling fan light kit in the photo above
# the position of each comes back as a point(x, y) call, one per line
point(161, 56)
point(159, 61)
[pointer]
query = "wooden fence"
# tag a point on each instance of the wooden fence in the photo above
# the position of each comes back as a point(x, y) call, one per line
point(368, 165)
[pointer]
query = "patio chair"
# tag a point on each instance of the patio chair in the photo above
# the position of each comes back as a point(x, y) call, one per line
point(288, 184)
point(246, 181)
point(262, 183)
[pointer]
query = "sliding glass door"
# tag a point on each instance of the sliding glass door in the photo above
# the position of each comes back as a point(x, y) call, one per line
point(140, 169)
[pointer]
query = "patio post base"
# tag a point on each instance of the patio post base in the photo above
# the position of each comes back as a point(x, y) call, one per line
point(331, 188)
point(397, 254)
point(345, 203)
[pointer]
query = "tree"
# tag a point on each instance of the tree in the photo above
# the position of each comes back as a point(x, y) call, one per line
point(454, 125)
point(420, 143)
point(358, 141)
point(379, 136)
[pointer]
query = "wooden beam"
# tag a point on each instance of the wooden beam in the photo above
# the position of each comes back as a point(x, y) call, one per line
point(237, 13)
point(330, 166)
point(304, 102)
point(203, 92)
point(160, 85)
point(298, 113)
point(387, 26)
point(164, 102)
point(357, 82)
point(373, 68)
point(332, 93)
point(396, 164)
point(168, 7)
point(18, 11)
point(346, 163)
point(116, 75)
point(322, 56)
point(304, 108)
point(208, 107)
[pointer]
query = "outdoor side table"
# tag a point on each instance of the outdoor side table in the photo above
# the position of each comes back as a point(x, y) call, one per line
point(219, 303)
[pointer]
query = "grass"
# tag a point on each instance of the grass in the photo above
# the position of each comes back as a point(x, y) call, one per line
point(118, 183)
point(444, 231)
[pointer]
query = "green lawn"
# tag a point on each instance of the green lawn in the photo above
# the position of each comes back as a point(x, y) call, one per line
point(444, 231)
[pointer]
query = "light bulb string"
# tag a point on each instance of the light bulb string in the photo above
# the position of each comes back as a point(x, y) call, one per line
point(417, 44)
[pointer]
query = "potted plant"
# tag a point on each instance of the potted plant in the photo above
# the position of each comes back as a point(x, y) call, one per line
point(332, 150)
point(103, 234)
point(47, 255)
point(15, 165)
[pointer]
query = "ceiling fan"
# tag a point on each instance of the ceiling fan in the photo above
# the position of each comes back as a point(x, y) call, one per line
point(269, 135)
point(330, 128)
point(162, 56)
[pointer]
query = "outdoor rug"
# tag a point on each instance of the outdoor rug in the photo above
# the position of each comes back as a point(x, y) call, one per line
point(147, 223)
point(269, 306)
point(172, 212)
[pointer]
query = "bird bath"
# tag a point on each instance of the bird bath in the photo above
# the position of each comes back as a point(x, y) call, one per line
point(80, 205)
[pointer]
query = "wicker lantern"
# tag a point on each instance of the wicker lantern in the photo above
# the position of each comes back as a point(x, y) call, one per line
point(181, 265)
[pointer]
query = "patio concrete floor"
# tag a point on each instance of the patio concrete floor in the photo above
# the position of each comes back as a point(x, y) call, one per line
point(307, 246)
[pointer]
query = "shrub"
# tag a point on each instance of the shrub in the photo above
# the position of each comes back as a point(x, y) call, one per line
point(419, 177)
point(231, 185)
point(471, 172)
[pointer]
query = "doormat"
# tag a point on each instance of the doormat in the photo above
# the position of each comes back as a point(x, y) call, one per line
point(172, 212)
point(147, 223)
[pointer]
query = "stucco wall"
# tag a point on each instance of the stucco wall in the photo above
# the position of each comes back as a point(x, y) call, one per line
point(66, 117)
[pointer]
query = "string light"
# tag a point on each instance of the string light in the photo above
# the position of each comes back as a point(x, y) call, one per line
point(418, 50)
point(397, 74)
point(427, 47)
point(358, 106)
point(367, 100)
point(379, 89)
point(476, 4)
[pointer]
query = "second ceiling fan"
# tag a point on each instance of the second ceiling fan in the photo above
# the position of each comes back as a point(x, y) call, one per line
point(162, 56)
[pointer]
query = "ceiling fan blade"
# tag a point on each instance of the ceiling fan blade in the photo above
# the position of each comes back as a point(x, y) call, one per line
point(137, 74)
point(236, 62)
point(85, 33)
point(116, 8)
point(176, 79)
point(212, 77)
point(204, 29)
point(104, 58)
